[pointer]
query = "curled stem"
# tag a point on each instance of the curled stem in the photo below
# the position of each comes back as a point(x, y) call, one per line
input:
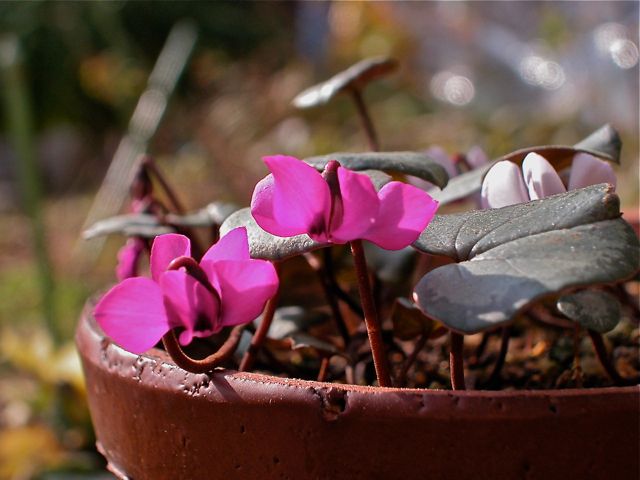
point(370, 315)
point(456, 362)
point(170, 341)
point(261, 333)
point(184, 361)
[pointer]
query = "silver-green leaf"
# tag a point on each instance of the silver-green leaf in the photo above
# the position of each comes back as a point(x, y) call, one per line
point(592, 309)
point(514, 255)
point(409, 163)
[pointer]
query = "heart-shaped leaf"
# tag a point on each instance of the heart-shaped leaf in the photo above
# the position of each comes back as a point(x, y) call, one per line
point(408, 321)
point(303, 341)
point(148, 226)
point(356, 76)
point(514, 255)
point(213, 214)
point(604, 143)
point(291, 319)
point(593, 309)
point(270, 247)
point(390, 265)
point(133, 224)
point(264, 245)
point(463, 235)
point(408, 163)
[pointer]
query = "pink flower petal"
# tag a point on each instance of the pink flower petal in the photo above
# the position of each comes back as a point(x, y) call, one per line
point(588, 170)
point(133, 315)
point(476, 157)
point(293, 200)
point(246, 285)
point(503, 185)
point(405, 211)
point(165, 249)
point(541, 178)
point(442, 158)
point(356, 210)
point(189, 305)
point(233, 246)
point(128, 257)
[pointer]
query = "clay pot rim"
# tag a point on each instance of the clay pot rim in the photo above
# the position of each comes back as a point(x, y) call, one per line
point(89, 330)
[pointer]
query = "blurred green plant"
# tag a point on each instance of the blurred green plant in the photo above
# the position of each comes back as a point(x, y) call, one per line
point(18, 116)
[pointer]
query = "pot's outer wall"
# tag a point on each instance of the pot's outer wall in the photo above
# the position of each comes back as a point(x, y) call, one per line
point(156, 421)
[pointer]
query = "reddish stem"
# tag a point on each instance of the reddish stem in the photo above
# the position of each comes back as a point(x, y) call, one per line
point(336, 289)
point(603, 356)
point(422, 341)
point(193, 268)
point(370, 315)
point(184, 361)
point(149, 164)
point(324, 370)
point(261, 333)
point(456, 362)
point(577, 368)
point(315, 264)
point(502, 355)
point(363, 113)
point(482, 346)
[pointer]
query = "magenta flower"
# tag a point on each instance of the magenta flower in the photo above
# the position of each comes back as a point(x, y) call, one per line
point(137, 312)
point(129, 257)
point(504, 183)
point(295, 199)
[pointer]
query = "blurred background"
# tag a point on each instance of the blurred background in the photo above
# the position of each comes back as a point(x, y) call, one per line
point(211, 86)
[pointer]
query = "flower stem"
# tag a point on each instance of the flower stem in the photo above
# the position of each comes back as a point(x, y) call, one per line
point(363, 112)
point(422, 341)
point(603, 356)
point(577, 367)
point(170, 341)
point(258, 338)
point(321, 271)
point(456, 362)
point(184, 361)
point(482, 346)
point(193, 268)
point(324, 370)
point(337, 290)
point(370, 315)
point(502, 354)
point(149, 164)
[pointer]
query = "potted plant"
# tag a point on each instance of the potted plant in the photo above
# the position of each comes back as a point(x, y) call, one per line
point(413, 379)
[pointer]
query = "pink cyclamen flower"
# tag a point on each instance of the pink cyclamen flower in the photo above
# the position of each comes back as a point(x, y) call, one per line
point(296, 199)
point(504, 184)
point(137, 312)
point(129, 257)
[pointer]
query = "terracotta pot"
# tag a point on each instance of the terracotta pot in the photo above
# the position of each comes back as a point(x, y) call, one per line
point(156, 421)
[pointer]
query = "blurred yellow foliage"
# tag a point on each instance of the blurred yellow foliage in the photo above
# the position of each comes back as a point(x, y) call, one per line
point(31, 350)
point(24, 451)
